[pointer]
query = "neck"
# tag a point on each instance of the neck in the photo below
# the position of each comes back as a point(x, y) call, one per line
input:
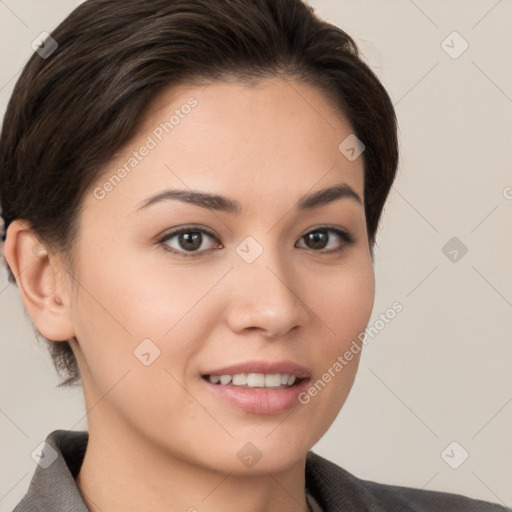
point(123, 472)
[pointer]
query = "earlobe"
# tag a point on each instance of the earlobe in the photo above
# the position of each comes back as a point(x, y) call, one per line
point(37, 275)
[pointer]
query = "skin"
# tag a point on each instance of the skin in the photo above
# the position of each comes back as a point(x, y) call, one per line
point(158, 439)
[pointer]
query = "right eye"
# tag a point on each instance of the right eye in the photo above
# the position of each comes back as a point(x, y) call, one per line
point(187, 240)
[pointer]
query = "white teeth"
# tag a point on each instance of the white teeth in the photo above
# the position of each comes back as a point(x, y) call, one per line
point(272, 381)
point(225, 379)
point(240, 379)
point(254, 380)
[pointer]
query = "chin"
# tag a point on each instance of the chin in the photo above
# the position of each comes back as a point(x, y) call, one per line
point(254, 456)
point(279, 454)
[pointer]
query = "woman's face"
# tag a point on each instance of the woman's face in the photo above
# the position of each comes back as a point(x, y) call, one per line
point(276, 286)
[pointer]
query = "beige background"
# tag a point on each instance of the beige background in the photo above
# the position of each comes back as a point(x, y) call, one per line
point(440, 371)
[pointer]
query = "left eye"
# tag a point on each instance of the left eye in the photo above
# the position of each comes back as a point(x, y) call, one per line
point(318, 239)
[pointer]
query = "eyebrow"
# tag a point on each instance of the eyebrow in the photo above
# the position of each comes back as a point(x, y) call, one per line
point(224, 204)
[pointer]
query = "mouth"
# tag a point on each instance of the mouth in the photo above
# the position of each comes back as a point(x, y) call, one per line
point(258, 387)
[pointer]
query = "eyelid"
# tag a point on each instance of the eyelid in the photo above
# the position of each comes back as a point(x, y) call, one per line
point(327, 227)
point(190, 227)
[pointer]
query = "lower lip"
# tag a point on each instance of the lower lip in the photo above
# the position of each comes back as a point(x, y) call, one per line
point(259, 400)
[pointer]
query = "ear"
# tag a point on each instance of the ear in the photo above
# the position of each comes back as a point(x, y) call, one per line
point(40, 279)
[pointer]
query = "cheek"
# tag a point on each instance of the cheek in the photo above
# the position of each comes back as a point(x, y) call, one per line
point(123, 322)
point(137, 296)
point(122, 304)
point(344, 303)
point(344, 306)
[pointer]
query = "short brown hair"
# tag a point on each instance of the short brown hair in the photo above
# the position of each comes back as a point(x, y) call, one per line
point(70, 112)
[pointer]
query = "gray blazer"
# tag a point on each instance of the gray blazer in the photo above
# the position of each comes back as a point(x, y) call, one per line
point(53, 487)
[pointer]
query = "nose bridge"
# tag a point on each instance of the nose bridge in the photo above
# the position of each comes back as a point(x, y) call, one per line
point(266, 295)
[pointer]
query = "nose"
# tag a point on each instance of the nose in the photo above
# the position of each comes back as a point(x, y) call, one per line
point(265, 296)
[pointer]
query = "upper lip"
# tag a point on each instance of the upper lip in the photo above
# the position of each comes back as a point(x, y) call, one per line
point(267, 367)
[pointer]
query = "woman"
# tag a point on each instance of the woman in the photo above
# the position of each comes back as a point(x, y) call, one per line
point(191, 192)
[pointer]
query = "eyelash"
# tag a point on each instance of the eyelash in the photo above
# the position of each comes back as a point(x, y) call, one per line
point(347, 239)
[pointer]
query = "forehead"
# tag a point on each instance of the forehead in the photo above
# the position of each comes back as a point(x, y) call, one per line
point(273, 141)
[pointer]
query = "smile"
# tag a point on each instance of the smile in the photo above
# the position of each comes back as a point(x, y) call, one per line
point(258, 387)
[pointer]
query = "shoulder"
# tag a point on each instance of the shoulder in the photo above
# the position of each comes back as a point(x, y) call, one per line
point(53, 484)
point(336, 489)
